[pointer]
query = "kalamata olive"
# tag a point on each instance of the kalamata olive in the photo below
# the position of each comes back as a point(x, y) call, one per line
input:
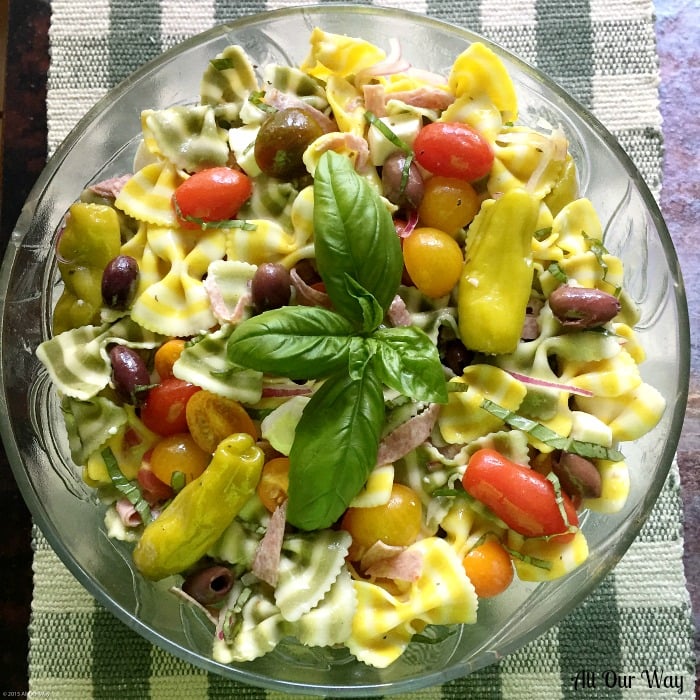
point(581, 307)
point(282, 140)
point(270, 287)
point(456, 357)
point(210, 585)
point(119, 281)
point(129, 372)
point(577, 475)
point(403, 194)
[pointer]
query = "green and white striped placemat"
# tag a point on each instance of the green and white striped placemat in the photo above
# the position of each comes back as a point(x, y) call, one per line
point(637, 624)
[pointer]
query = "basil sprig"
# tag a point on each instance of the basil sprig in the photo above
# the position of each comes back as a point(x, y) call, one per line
point(358, 256)
point(358, 253)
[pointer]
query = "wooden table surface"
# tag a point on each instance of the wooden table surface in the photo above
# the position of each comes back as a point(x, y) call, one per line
point(24, 26)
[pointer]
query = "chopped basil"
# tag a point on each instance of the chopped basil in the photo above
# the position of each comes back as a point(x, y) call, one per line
point(544, 434)
point(555, 270)
point(222, 64)
point(527, 559)
point(127, 488)
point(177, 481)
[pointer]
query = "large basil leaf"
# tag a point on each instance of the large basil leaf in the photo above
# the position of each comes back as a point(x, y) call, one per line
point(335, 448)
point(406, 360)
point(300, 342)
point(354, 239)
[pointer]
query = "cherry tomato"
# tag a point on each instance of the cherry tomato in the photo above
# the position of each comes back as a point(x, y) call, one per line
point(178, 453)
point(448, 204)
point(521, 497)
point(397, 522)
point(167, 355)
point(163, 411)
point(274, 483)
point(433, 261)
point(489, 568)
point(281, 141)
point(211, 418)
point(452, 149)
point(215, 194)
point(152, 488)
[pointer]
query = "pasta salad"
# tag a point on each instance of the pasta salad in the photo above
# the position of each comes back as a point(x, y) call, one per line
point(346, 352)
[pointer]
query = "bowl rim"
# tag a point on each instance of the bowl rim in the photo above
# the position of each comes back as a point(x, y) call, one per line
point(51, 532)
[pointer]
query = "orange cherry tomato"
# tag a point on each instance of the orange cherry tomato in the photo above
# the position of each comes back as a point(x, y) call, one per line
point(274, 483)
point(178, 453)
point(215, 194)
point(521, 497)
point(489, 568)
point(448, 204)
point(433, 261)
point(211, 418)
point(167, 355)
point(163, 410)
point(453, 149)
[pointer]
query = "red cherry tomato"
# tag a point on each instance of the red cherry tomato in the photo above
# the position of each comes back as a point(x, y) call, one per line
point(215, 194)
point(163, 411)
point(152, 488)
point(521, 497)
point(451, 149)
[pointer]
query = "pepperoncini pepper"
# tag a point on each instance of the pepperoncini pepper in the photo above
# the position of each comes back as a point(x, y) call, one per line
point(199, 514)
point(90, 239)
point(497, 277)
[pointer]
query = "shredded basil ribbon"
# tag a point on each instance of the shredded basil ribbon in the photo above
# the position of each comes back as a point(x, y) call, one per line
point(222, 223)
point(555, 270)
point(127, 488)
point(599, 250)
point(398, 142)
point(541, 432)
point(527, 559)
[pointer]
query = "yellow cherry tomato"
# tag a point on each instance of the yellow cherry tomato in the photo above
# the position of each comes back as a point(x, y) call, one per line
point(178, 453)
point(274, 483)
point(489, 568)
point(397, 522)
point(211, 418)
point(433, 260)
point(448, 204)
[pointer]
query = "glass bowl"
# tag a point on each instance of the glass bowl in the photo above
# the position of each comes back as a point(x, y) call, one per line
point(103, 145)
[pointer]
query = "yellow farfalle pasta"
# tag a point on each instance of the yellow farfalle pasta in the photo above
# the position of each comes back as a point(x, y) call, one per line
point(529, 159)
point(377, 488)
point(336, 54)
point(383, 624)
point(615, 487)
point(611, 376)
point(479, 112)
point(263, 241)
point(462, 419)
point(147, 195)
point(478, 71)
point(630, 415)
point(178, 304)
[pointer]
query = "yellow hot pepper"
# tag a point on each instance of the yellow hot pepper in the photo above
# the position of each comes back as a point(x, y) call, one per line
point(199, 514)
point(90, 239)
point(497, 277)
